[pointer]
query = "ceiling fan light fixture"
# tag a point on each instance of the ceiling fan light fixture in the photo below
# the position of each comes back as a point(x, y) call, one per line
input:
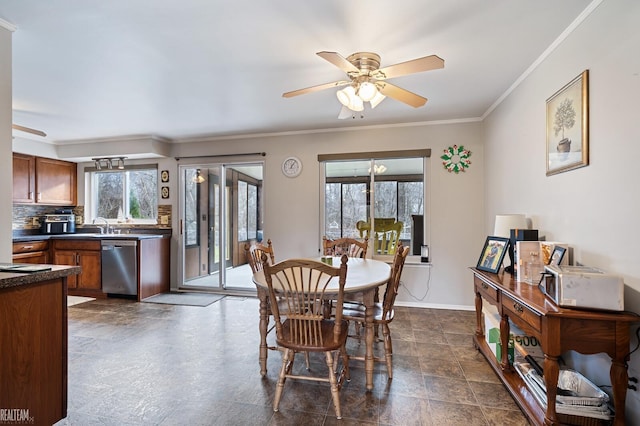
point(367, 91)
point(346, 95)
point(356, 103)
point(379, 97)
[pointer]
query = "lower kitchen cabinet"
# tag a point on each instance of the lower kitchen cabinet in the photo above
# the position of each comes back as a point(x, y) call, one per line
point(31, 252)
point(87, 255)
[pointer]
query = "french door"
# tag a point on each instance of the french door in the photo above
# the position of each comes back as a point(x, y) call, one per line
point(220, 211)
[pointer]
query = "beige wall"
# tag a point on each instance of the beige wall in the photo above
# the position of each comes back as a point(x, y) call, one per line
point(292, 217)
point(594, 208)
point(6, 171)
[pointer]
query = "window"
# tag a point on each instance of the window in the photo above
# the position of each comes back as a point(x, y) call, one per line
point(123, 195)
point(398, 183)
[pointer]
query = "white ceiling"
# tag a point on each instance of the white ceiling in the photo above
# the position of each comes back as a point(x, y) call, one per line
point(191, 68)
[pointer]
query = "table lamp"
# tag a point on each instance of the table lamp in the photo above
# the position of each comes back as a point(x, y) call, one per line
point(503, 226)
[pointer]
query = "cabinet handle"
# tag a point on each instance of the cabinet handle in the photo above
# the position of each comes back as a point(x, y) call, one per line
point(518, 307)
point(27, 247)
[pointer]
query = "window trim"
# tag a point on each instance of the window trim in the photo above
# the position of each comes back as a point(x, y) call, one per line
point(425, 154)
point(89, 199)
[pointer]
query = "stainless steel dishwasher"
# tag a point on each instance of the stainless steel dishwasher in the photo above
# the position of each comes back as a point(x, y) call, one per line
point(120, 267)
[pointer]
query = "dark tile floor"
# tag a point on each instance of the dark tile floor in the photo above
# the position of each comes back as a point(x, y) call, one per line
point(142, 363)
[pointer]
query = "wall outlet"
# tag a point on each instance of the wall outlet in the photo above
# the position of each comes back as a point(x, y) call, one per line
point(35, 221)
point(164, 220)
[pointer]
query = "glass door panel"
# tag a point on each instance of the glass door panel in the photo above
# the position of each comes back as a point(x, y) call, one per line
point(218, 223)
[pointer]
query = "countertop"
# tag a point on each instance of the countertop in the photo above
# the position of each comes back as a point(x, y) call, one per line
point(14, 279)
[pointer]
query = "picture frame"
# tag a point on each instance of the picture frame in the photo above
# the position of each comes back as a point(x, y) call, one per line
point(557, 255)
point(568, 126)
point(164, 192)
point(492, 254)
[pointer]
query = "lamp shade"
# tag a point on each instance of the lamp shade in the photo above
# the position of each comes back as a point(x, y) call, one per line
point(345, 95)
point(367, 91)
point(506, 222)
point(379, 97)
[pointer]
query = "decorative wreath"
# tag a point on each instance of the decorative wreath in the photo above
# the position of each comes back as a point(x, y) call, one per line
point(456, 159)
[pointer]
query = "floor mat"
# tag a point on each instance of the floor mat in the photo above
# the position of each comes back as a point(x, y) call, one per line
point(76, 300)
point(187, 299)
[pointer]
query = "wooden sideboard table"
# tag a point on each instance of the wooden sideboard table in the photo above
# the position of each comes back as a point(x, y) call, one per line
point(558, 330)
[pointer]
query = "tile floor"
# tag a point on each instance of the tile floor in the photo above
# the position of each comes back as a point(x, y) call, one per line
point(150, 364)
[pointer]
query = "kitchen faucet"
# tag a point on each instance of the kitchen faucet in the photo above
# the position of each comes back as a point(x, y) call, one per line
point(102, 230)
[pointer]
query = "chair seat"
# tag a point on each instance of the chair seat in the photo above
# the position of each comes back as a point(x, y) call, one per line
point(356, 312)
point(329, 341)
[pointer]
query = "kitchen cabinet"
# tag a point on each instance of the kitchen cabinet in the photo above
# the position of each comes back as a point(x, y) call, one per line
point(31, 252)
point(39, 180)
point(87, 255)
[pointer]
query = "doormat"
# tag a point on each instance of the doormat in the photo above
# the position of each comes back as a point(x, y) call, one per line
point(76, 300)
point(187, 299)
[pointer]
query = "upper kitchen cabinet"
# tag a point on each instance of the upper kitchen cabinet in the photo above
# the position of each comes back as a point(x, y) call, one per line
point(38, 180)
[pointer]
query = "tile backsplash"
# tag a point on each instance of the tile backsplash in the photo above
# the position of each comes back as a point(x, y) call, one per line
point(28, 216)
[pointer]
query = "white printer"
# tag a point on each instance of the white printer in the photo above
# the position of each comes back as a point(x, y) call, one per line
point(583, 287)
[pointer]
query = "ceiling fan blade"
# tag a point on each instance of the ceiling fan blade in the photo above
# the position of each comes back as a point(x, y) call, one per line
point(401, 95)
point(339, 61)
point(29, 130)
point(410, 67)
point(315, 88)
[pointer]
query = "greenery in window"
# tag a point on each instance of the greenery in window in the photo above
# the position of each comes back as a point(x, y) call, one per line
point(121, 195)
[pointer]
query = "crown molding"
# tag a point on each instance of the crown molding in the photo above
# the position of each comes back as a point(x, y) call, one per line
point(7, 25)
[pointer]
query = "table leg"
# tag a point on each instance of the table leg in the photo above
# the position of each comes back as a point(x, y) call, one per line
point(368, 297)
point(551, 373)
point(264, 322)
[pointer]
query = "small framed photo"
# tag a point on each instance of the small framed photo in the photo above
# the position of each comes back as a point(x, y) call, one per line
point(492, 254)
point(164, 192)
point(557, 255)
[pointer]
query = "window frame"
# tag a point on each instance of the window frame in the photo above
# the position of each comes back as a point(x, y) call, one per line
point(91, 194)
point(373, 156)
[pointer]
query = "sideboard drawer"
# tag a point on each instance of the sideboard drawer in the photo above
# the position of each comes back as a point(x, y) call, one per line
point(516, 309)
point(488, 291)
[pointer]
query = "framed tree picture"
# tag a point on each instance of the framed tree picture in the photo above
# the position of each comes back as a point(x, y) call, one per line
point(568, 126)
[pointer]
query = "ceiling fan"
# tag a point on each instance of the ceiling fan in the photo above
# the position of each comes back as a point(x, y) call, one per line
point(28, 130)
point(367, 81)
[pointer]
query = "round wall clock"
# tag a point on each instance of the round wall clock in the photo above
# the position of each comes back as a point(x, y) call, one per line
point(291, 167)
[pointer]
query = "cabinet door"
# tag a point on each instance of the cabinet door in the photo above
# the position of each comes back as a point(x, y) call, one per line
point(24, 169)
point(63, 257)
point(91, 275)
point(56, 182)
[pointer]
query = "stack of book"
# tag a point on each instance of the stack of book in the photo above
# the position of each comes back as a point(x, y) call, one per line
point(576, 396)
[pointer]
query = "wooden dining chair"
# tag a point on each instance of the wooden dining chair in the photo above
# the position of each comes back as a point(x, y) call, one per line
point(254, 254)
point(301, 285)
point(349, 246)
point(383, 312)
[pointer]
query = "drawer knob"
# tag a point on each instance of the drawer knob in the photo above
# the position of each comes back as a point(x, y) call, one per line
point(485, 286)
point(518, 307)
